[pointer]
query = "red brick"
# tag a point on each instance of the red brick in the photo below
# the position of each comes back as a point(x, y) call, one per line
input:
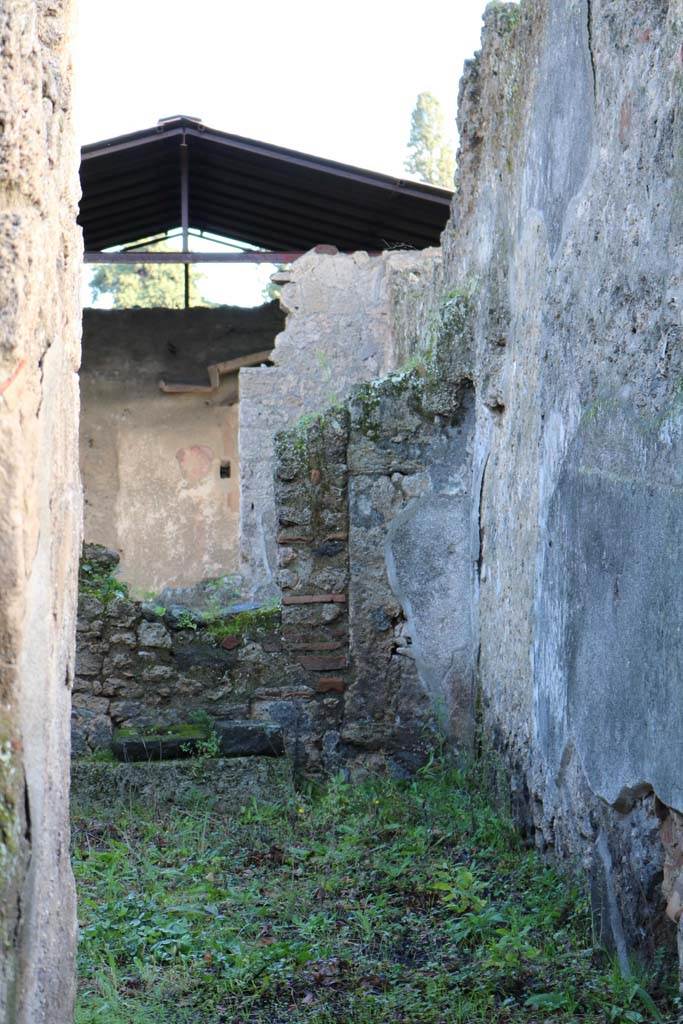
point(322, 664)
point(316, 645)
point(330, 684)
point(229, 643)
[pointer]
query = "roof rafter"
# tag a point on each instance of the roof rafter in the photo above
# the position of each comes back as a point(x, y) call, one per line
point(255, 192)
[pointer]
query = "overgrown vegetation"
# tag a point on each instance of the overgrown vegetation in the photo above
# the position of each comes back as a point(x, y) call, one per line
point(434, 376)
point(254, 624)
point(181, 730)
point(384, 902)
point(96, 579)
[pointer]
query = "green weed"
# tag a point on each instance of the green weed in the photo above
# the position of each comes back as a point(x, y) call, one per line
point(187, 621)
point(96, 581)
point(253, 624)
point(382, 903)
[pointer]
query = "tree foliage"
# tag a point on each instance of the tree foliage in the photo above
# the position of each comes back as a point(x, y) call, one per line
point(271, 290)
point(146, 285)
point(430, 155)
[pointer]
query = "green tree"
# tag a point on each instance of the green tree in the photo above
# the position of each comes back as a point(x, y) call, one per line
point(430, 155)
point(147, 284)
point(271, 291)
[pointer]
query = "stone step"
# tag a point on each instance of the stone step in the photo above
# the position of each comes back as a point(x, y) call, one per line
point(246, 738)
point(229, 783)
point(236, 738)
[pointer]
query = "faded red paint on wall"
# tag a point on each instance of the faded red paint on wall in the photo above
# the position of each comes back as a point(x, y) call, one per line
point(195, 462)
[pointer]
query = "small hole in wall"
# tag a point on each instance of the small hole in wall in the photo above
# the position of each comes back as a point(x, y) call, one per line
point(225, 470)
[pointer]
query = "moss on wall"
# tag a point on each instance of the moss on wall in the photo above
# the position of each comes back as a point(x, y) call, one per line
point(9, 819)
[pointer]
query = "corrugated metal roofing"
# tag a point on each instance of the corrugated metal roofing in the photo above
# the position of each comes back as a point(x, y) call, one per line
point(254, 192)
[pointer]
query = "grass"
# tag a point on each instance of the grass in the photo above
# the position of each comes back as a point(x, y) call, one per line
point(256, 623)
point(397, 902)
point(183, 730)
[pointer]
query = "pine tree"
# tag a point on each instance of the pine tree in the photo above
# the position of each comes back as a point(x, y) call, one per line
point(430, 156)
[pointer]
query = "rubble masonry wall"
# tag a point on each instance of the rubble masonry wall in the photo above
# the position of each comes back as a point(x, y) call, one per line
point(343, 326)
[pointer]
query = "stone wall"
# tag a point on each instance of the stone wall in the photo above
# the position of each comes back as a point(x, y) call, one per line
point(40, 508)
point(411, 567)
point(344, 324)
point(531, 543)
point(141, 667)
point(518, 534)
point(311, 493)
point(372, 660)
point(373, 504)
point(150, 461)
point(567, 233)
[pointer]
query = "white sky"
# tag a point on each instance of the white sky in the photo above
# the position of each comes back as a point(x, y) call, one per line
point(338, 80)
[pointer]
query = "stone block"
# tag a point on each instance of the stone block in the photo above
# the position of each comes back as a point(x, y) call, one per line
point(116, 686)
point(122, 611)
point(92, 704)
point(228, 783)
point(124, 637)
point(154, 634)
point(240, 739)
point(220, 709)
point(89, 609)
point(330, 579)
point(149, 747)
point(230, 643)
point(321, 663)
point(119, 661)
point(329, 548)
point(130, 713)
point(104, 558)
point(89, 629)
point(100, 732)
point(202, 656)
point(158, 673)
point(89, 661)
point(299, 692)
point(79, 742)
point(330, 684)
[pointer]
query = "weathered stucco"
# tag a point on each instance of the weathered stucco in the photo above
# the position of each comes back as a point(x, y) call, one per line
point(151, 461)
point(343, 326)
point(40, 508)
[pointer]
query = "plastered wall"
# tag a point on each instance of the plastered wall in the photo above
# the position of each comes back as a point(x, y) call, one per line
point(40, 507)
point(151, 462)
point(564, 249)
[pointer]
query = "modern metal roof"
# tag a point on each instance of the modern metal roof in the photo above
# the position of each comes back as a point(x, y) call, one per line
point(253, 192)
